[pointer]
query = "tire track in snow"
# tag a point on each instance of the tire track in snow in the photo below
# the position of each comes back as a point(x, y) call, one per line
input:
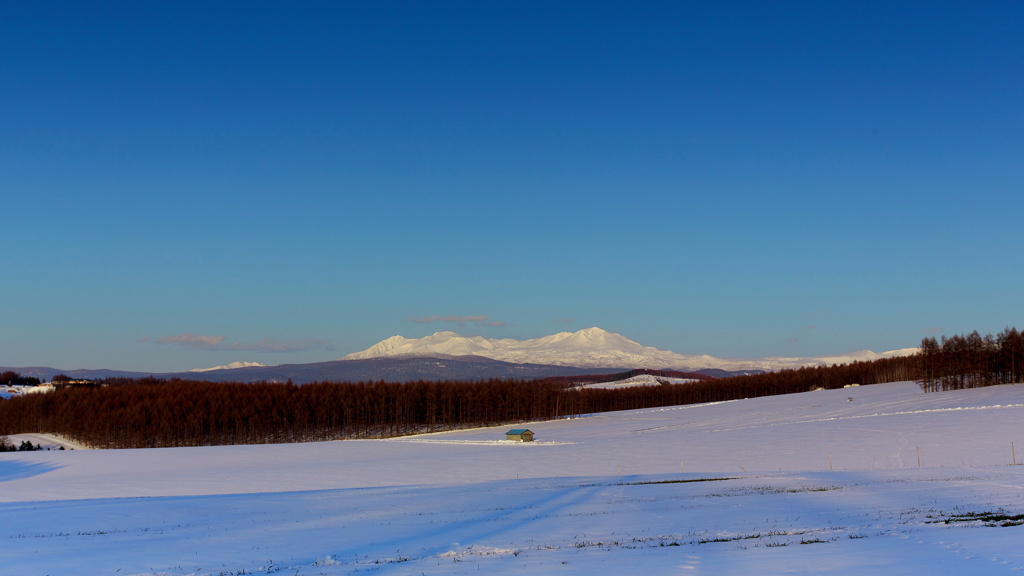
point(856, 417)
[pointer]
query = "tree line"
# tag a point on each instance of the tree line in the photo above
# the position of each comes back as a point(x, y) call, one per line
point(11, 378)
point(149, 412)
point(971, 361)
point(146, 413)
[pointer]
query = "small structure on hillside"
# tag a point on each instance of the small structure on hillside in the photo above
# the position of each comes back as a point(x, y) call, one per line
point(66, 382)
point(519, 435)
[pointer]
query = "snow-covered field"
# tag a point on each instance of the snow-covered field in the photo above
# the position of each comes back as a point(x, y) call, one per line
point(891, 482)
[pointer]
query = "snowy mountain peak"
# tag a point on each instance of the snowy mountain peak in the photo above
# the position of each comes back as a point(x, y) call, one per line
point(589, 348)
point(592, 347)
point(592, 332)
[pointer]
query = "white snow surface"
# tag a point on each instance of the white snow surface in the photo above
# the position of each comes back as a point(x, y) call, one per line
point(811, 483)
point(593, 348)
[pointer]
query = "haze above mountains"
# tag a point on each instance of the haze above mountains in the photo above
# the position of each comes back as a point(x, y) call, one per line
point(448, 355)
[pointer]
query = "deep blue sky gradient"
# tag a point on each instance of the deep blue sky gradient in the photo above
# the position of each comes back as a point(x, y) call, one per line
point(292, 182)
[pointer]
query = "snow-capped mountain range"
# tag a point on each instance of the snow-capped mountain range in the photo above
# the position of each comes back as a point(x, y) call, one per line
point(591, 348)
point(449, 356)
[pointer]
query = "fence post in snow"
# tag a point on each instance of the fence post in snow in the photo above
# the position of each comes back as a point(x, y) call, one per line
point(918, 456)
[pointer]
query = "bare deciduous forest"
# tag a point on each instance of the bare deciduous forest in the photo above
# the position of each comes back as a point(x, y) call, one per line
point(149, 413)
point(971, 361)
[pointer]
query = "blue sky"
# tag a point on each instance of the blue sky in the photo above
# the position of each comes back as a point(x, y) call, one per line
point(188, 184)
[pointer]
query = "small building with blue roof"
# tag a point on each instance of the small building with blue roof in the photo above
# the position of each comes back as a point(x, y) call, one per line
point(519, 435)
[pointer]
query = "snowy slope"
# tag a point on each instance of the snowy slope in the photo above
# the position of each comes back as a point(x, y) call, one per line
point(638, 380)
point(806, 483)
point(592, 347)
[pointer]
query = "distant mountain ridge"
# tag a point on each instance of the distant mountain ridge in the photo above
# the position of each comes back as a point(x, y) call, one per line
point(373, 369)
point(592, 348)
point(450, 356)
